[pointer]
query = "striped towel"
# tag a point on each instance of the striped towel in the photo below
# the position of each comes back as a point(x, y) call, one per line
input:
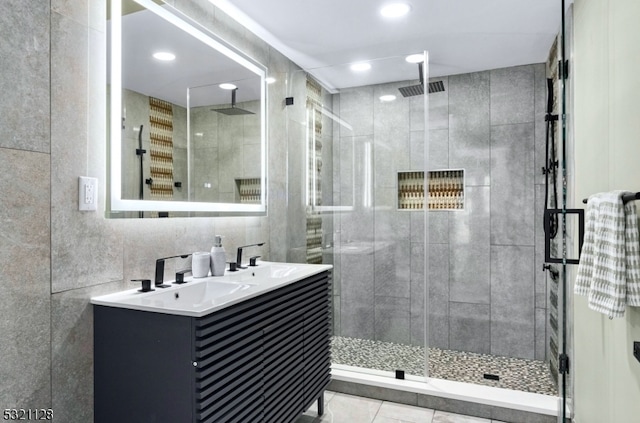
point(609, 270)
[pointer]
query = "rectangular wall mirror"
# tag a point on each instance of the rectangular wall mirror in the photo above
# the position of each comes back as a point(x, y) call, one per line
point(187, 117)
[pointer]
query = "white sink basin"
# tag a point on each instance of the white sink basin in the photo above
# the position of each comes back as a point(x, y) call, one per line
point(199, 297)
point(264, 273)
point(190, 295)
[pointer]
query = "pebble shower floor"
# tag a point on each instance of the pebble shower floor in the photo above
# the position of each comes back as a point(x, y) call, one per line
point(514, 373)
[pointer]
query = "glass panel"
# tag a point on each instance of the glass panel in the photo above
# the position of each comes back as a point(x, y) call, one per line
point(357, 142)
point(491, 312)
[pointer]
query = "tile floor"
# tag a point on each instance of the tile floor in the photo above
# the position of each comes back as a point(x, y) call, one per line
point(343, 408)
point(514, 373)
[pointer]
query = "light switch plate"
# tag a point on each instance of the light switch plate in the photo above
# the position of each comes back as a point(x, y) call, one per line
point(87, 193)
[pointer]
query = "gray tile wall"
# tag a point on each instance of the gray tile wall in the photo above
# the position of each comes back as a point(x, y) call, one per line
point(487, 289)
point(53, 258)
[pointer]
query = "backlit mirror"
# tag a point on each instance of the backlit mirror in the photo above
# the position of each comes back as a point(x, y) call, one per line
point(187, 117)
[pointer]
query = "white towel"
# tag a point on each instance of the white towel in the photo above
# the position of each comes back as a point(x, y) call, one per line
point(609, 270)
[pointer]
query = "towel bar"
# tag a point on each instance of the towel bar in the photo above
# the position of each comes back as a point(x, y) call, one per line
point(625, 198)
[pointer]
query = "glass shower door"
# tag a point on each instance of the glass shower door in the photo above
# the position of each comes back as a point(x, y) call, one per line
point(364, 205)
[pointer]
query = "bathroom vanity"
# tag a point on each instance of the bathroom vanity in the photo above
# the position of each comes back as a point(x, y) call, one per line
point(252, 346)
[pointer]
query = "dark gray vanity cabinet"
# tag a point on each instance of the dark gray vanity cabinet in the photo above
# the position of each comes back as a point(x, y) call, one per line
point(266, 359)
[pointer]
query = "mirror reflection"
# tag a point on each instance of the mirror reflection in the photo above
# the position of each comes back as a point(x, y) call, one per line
point(189, 132)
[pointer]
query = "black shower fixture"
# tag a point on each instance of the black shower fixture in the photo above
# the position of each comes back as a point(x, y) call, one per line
point(233, 110)
point(418, 89)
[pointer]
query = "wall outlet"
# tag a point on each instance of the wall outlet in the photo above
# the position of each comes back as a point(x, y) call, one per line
point(87, 193)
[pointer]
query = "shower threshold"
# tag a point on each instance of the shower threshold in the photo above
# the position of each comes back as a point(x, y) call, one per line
point(516, 374)
point(446, 395)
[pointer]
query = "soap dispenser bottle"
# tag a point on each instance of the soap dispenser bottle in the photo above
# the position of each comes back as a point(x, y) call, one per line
point(218, 257)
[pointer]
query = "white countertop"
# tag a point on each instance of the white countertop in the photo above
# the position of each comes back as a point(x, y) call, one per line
point(201, 296)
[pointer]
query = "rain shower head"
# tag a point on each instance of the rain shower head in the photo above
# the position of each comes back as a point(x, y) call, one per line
point(418, 89)
point(233, 110)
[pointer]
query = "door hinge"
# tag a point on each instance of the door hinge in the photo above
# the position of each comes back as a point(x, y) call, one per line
point(563, 69)
point(563, 364)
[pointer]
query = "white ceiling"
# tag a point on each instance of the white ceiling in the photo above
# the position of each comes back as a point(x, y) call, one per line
point(324, 36)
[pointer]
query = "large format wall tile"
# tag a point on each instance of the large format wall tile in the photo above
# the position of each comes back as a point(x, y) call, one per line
point(416, 144)
point(357, 295)
point(512, 95)
point(469, 128)
point(438, 149)
point(469, 149)
point(439, 296)
point(356, 108)
point(512, 302)
point(25, 268)
point(390, 156)
point(72, 352)
point(540, 101)
point(469, 96)
point(417, 293)
point(392, 319)
point(512, 188)
point(392, 268)
point(439, 106)
point(468, 248)
point(470, 327)
point(24, 83)
point(85, 248)
point(391, 118)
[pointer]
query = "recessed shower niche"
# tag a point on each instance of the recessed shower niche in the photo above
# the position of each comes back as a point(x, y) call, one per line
point(445, 188)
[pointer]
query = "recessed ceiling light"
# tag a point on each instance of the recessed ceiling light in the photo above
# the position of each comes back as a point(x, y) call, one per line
point(270, 80)
point(360, 67)
point(395, 10)
point(415, 58)
point(227, 86)
point(165, 56)
point(388, 97)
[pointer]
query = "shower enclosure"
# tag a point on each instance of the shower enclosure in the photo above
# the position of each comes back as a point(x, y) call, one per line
point(430, 209)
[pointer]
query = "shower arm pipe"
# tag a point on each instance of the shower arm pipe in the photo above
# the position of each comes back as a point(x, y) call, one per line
point(625, 198)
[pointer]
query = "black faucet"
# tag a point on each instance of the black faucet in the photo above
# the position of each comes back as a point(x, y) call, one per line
point(160, 270)
point(239, 255)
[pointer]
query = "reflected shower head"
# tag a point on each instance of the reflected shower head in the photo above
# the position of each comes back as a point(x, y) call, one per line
point(233, 110)
point(418, 89)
